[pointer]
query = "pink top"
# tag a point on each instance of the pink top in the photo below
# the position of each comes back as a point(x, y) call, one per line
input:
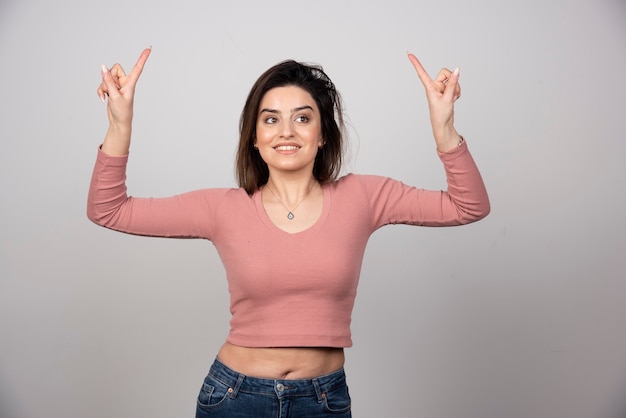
point(289, 290)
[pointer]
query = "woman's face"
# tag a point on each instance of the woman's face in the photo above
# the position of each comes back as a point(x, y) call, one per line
point(288, 130)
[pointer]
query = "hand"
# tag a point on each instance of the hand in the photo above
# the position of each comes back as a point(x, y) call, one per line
point(120, 88)
point(441, 94)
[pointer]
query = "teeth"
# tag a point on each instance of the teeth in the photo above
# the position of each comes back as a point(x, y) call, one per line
point(287, 148)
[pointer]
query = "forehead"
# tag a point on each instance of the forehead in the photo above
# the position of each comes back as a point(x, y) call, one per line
point(287, 98)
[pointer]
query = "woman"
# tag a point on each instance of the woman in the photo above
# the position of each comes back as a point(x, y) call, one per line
point(291, 237)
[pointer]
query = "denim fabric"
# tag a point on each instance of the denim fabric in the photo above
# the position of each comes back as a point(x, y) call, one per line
point(227, 393)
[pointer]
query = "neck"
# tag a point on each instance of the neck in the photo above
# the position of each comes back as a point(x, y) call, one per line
point(291, 191)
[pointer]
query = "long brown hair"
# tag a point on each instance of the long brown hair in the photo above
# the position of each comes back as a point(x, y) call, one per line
point(251, 170)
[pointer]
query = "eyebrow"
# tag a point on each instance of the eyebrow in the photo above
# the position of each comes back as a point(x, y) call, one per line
point(295, 109)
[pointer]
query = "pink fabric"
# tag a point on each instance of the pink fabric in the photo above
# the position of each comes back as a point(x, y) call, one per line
point(290, 290)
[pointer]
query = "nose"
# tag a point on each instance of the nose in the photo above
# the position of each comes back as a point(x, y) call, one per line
point(286, 129)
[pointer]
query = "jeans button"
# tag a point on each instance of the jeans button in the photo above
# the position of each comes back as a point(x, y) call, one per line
point(280, 387)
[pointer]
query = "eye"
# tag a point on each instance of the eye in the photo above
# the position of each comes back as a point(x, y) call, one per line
point(302, 118)
point(270, 120)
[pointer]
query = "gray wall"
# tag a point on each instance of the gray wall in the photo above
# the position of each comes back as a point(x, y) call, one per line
point(518, 316)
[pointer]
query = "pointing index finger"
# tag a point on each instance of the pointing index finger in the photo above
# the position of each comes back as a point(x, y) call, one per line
point(138, 68)
point(421, 72)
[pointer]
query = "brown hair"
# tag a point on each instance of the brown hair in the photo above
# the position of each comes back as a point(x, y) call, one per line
point(251, 170)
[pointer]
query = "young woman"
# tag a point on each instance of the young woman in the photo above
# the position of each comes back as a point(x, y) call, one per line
point(292, 236)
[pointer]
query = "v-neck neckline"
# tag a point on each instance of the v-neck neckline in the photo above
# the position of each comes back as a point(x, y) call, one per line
point(260, 208)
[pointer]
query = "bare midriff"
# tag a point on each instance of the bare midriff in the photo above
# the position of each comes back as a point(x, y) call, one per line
point(282, 362)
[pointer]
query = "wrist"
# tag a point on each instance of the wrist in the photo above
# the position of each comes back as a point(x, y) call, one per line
point(448, 141)
point(117, 140)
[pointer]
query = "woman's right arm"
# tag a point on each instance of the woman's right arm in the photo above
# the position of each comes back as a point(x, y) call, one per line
point(187, 215)
point(120, 88)
point(108, 204)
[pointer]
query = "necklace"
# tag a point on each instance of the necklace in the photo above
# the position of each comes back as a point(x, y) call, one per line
point(290, 214)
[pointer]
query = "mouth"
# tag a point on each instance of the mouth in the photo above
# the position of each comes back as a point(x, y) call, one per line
point(286, 148)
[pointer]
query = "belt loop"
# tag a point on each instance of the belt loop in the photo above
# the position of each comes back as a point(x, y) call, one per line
point(318, 390)
point(240, 380)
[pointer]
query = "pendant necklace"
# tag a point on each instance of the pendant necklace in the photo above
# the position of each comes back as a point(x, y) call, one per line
point(290, 214)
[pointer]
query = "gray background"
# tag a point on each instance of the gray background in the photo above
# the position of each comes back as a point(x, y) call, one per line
point(518, 316)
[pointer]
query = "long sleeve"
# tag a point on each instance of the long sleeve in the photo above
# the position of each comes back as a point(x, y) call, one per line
point(464, 201)
point(188, 215)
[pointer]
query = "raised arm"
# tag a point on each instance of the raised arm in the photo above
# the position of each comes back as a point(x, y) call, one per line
point(120, 89)
point(108, 203)
point(466, 199)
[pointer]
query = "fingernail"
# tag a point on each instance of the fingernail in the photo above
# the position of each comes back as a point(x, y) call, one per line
point(104, 69)
point(456, 71)
point(102, 99)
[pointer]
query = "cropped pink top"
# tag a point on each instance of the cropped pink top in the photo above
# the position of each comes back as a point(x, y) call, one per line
point(289, 290)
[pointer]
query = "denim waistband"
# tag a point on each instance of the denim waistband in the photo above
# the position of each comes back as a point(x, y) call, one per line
point(276, 387)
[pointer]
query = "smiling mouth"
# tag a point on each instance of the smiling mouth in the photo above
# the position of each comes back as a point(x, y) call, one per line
point(287, 148)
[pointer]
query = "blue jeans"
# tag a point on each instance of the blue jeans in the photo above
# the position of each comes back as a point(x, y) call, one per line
point(227, 393)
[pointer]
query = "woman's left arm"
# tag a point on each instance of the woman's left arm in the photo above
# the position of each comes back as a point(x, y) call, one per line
point(466, 198)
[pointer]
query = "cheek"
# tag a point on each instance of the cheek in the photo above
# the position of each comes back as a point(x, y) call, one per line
point(261, 134)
